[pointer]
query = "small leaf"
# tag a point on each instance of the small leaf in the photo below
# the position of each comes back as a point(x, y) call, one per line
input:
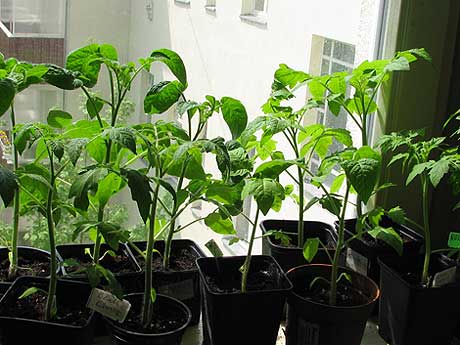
point(272, 169)
point(59, 119)
point(140, 191)
point(363, 175)
point(173, 61)
point(62, 78)
point(437, 171)
point(235, 116)
point(125, 136)
point(93, 107)
point(389, 236)
point(310, 248)
point(8, 185)
point(153, 295)
point(7, 92)
point(219, 225)
point(397, 215)
point(264, 192)
point(30, 291)
point(162, 96)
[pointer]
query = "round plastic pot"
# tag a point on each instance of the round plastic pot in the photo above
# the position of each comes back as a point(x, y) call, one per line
point(411, 314)
point(182, 285)
point(19, 331)
point(361, 256)
point(121, 336)
point(241, 318)
point(28, 253)
point(314, 323)
point(290, 257)
point(77, 251)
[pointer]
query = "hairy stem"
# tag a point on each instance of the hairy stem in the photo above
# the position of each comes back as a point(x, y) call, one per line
point(147, 305)
point(16, 205)
point(340, 241)
point(247, 261)
point(426, 230)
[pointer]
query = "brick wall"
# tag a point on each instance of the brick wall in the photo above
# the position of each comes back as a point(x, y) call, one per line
point(35, 50)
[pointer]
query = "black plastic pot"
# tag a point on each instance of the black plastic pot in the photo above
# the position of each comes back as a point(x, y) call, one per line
point(182, 285)
point(235, 318)
point(28, 253)
point(314, 323)
point(121, 336)
point(362, 254)
point(289, 257)
point(411, 314)
point(77, 251)
point(19, 331)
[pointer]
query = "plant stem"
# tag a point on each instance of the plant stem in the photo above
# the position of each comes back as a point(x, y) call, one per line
point(16, 205)
point(97, 244)
point(247, 261)
point(50, 302)
point(426, 230)
point(147, 305)
point(300, 225)
point(340, 241)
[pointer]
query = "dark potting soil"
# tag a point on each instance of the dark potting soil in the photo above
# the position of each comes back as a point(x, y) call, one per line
point(230, 282)
point(347, 294)
point(164, 319)
point(27, 267)
point(115, 264)
point(33, 307)
point(330, 244)
point(182, 259)
point(372, 242)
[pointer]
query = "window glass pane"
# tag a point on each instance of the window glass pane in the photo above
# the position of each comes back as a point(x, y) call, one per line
point(325, 67)
point(259, 5)
point(327, 47)
point(337, 67)
point(344, 52)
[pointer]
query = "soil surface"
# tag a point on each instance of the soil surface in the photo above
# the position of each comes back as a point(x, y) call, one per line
point(182, 259)
point(230, 282)
point(33, 307)
point(27, 267)
point(115, 264)
point(164, 319)
point(347, 295)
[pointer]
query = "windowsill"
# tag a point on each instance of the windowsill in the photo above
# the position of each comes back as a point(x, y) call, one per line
point(210, 8)
point(254, 19)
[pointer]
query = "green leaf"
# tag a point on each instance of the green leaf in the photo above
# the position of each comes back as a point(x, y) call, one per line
point(7, 92)
point(31, 291)
point(87, 61)
point(332, 204)
point(438, 170)
point(84, 183)
point(417, 170)
point(112, 234)
point(397, 215)
point(398, 64)
point(59, 119)
point(235, 116)
point(310, 248)
point(173, 61)
point(289, 77)
point(389, 236)
point(107, 187)
point(273, 169)
point(140, 191)
point(363, 175)
point(8, 185)
point(264, 192)
point(337, 183)
point(224, 193)
point(162, 96)
point(219, 225)
point(125, 136)
point(153, 295)
point(62, 78)
point(75, 148)
point(93, 107)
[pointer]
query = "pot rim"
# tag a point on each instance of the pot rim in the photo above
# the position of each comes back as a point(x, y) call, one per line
point(154, 335)
point(41, 322)
point(373, 300)
point(239, 257)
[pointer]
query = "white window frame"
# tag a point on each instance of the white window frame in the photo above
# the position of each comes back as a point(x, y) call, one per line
point(210, 6)
point(251, 15)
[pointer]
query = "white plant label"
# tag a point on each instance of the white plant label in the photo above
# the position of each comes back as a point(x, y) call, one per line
point(445, 277)
point(357, 262)
point(108, 305)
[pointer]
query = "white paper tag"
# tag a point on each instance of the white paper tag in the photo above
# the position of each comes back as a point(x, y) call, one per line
point(108, 305)
point(445, 277)
point(357, 262)
point(181, 290)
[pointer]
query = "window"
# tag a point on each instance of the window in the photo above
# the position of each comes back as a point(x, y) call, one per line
point(33, 18)
point(254, 11)
point(210, 5)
